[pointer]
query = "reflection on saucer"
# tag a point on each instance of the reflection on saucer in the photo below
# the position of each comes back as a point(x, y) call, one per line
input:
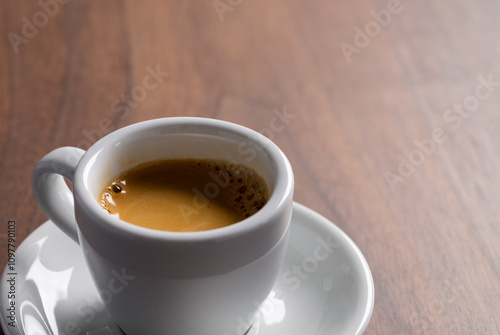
point(273, 310)
point(325, 286)
point(49, 287)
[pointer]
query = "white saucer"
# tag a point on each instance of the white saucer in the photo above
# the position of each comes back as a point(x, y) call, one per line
point(325, 286)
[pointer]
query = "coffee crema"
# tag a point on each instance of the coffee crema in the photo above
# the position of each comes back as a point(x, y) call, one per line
point(183, 195)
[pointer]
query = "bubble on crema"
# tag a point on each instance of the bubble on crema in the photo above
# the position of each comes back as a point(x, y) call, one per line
point(117, 186)
point(247, 189)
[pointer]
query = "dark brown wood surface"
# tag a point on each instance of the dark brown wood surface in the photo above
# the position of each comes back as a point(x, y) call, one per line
point(391, 114)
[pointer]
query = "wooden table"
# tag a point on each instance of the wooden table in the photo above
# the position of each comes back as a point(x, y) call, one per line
point(390, 111)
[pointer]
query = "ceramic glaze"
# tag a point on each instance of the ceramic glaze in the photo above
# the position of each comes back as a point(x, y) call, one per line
point(336, 297)
point(158, 282)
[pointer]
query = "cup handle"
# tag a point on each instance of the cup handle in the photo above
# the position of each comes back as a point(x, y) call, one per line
point(52, 193)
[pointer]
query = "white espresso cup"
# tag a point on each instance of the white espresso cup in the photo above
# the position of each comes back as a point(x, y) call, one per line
point(157, 282)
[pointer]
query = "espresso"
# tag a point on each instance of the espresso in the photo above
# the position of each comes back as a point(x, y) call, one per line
point(185, 195)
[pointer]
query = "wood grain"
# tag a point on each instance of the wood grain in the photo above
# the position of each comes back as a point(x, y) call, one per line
point(431, 236)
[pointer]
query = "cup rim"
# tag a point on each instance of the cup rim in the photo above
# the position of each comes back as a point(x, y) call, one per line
point(277, 201)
